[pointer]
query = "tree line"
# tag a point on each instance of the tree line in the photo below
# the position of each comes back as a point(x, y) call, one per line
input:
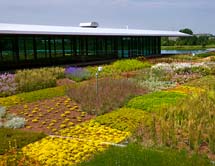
point(202, 40)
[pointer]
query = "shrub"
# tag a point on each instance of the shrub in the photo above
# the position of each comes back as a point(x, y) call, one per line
point(112, 93)
point(124, 119)
point(16, 138)
point(1, 124)
point(35, 79)
point(77, 73)
point(155, 101)
point(15, 122)
point(8, 86)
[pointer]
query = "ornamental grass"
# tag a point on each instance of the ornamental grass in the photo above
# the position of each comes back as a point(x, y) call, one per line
point(112, 94)
point(35, 79)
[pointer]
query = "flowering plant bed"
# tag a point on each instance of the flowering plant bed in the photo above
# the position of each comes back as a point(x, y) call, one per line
point(50, 115)
point(76, 144)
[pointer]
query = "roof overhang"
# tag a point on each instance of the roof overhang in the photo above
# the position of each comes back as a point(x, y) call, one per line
point(66, 30)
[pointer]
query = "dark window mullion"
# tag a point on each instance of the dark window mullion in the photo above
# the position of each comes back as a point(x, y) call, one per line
point(34, 47)
point(63, 46)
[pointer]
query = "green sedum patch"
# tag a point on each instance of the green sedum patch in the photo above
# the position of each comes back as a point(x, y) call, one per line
point(120, 66)
point(129, 65)
point(33, 96)
point(154, 101)
point(124, 119)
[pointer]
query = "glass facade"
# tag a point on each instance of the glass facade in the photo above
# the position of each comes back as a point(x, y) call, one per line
point(30, 50)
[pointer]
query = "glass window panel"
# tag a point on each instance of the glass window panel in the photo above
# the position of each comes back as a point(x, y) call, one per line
point(22, 49)
point(59, 46)
point(41, 47)
point(7, 49)
point(91, 46)
point(29, 48)
point(68, 46)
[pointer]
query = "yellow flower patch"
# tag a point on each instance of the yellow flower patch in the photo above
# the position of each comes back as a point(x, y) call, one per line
point(11, 100)
point(62, 151)
point(76, 144)
point(94, 131)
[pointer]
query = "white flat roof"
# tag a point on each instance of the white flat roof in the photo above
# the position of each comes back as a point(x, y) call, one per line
point(67, 30)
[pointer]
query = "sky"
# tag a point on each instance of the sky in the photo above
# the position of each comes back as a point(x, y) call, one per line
point(198, 15)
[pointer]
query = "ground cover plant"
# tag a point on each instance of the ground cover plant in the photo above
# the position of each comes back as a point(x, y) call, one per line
point(111, 94)
point(136, 155)
point(124, 119)
point(16, 138)
point(50, 115)
point(33, 96)
point(77, 143)
point(152, 102)
point(119, 66)
point(8, 120)
point(75, 136)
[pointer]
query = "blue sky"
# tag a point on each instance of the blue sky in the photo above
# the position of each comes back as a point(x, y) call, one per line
point(199, 15)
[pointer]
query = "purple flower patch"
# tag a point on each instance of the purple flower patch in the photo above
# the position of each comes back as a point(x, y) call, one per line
point(8, 85)
point(77, 73)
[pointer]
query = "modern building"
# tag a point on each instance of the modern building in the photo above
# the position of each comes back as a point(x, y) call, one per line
point(32, 45)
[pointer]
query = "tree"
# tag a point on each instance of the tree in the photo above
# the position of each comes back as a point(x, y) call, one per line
point(187, 31)
point(186, 40)
point(202, 40)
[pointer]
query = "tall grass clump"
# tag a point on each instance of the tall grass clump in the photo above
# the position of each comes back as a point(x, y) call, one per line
point(8, 85)
point(112, 93)
point(188, 124)
point(35, 79)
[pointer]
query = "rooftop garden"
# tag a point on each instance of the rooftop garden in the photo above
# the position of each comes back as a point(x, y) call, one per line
point(131, 112)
